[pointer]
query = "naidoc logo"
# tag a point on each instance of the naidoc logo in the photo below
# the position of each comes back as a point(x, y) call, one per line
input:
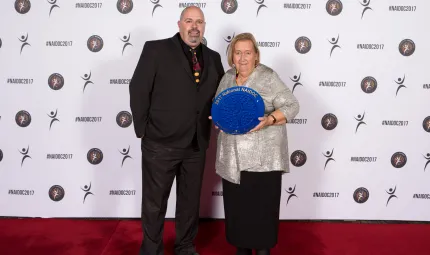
point(20, 80)
point(125, 155)
point(56, 81)
point(298, 158)
point(24, 152)
point(95, 43)
point(228, 40)
point(22, 6)
point(53, 116)
point(185, 5)
point(303, 45)
point(326, 194)
point(291, 192)
point(296, 6)
point(124, 6)
point(369, 85)
point(398, 160)
point(87, 79)
point(360, 119)
point(329, 157)
point(95, 156)
point(204, 41)
point(88, 5)
point(427, 157)
point(407, 47)
point(156, 5)
point(400, 84)
point(127, 192)
point(269, 44)
point(361, 195)
point(1, 155)
point(334, 7)
point(229, 6)
point(126, 40)
point(366, 7)
point(124, 119)
point(296, 80)
point(53, 6)
point(334, 43)
point(260, 5)
point(329, 121)
point(21, 192)
point(87, 190)
point(403, 8)
point(426, 124)
point(24, 40)
point(391, 192)
point(403, 123)
point(56, 193)
point(23, 118)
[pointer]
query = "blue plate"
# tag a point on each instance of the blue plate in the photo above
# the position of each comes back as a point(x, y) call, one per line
point(236, 110)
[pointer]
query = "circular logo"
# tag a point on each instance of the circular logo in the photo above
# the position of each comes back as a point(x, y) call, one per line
point(124, 6)
point(56, 193)
point(426, 124)
point(124, 119)
point(298, 158)
point(23, 118)
point(329, 121)
point(1, 155)
point(229, 6)
point(303, 45)
point(407, 47)
point(398, 160)
point(334, 7)
point(56, 81)
point(361, 195)
point(95, 156)
point(22, 6)
point(95, 43)
point(369, 85)
point(204, 41)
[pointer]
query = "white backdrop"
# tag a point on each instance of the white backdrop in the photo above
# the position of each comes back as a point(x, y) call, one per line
point(351, 67)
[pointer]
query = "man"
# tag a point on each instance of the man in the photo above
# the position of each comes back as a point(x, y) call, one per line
point(171, 94)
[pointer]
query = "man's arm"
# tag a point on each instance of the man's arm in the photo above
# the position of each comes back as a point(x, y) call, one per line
point(141, 86)
point(219, 67)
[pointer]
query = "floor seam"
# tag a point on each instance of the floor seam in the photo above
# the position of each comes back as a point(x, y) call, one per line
point(110, 238)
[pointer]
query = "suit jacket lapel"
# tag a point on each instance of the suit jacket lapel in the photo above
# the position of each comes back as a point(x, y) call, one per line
point(181, 57)
point(206, 64)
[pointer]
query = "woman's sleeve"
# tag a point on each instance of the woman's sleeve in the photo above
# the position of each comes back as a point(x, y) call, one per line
point(284, 100)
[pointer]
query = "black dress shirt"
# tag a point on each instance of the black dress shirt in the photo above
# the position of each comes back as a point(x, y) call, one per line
point(189, 55)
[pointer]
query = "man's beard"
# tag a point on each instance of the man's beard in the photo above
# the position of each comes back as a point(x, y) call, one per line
point(194, 38)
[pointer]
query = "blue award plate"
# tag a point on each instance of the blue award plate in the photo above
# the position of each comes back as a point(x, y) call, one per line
point(236, 110)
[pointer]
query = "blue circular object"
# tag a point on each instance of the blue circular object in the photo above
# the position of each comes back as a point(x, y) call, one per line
point(236, 110)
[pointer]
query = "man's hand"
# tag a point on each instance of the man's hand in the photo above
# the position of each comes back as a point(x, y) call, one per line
point(216, 127)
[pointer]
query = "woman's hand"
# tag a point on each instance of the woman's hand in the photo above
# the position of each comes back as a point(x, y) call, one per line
point(264, 121)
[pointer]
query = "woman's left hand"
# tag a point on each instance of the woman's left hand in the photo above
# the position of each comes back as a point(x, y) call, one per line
point(264, 121)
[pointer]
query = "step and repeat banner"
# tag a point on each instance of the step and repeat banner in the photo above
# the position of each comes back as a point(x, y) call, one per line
point(359, 147)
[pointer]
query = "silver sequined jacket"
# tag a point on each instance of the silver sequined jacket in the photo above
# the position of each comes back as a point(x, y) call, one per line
point(267, 149)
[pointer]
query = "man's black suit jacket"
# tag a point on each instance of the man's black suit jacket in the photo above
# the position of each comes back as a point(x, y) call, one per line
point(167, 105)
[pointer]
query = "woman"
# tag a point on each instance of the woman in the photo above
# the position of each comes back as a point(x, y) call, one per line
point(251, 165)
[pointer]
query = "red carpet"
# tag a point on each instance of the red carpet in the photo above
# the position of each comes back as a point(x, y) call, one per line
point(113, 237)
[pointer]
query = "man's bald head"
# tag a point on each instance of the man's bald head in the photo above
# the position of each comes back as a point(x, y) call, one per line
point(192, 26)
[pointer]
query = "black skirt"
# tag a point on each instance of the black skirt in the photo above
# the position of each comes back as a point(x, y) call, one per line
point(252, 209)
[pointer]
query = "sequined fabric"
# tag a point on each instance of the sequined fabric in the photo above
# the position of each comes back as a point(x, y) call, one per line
point(265, 150)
